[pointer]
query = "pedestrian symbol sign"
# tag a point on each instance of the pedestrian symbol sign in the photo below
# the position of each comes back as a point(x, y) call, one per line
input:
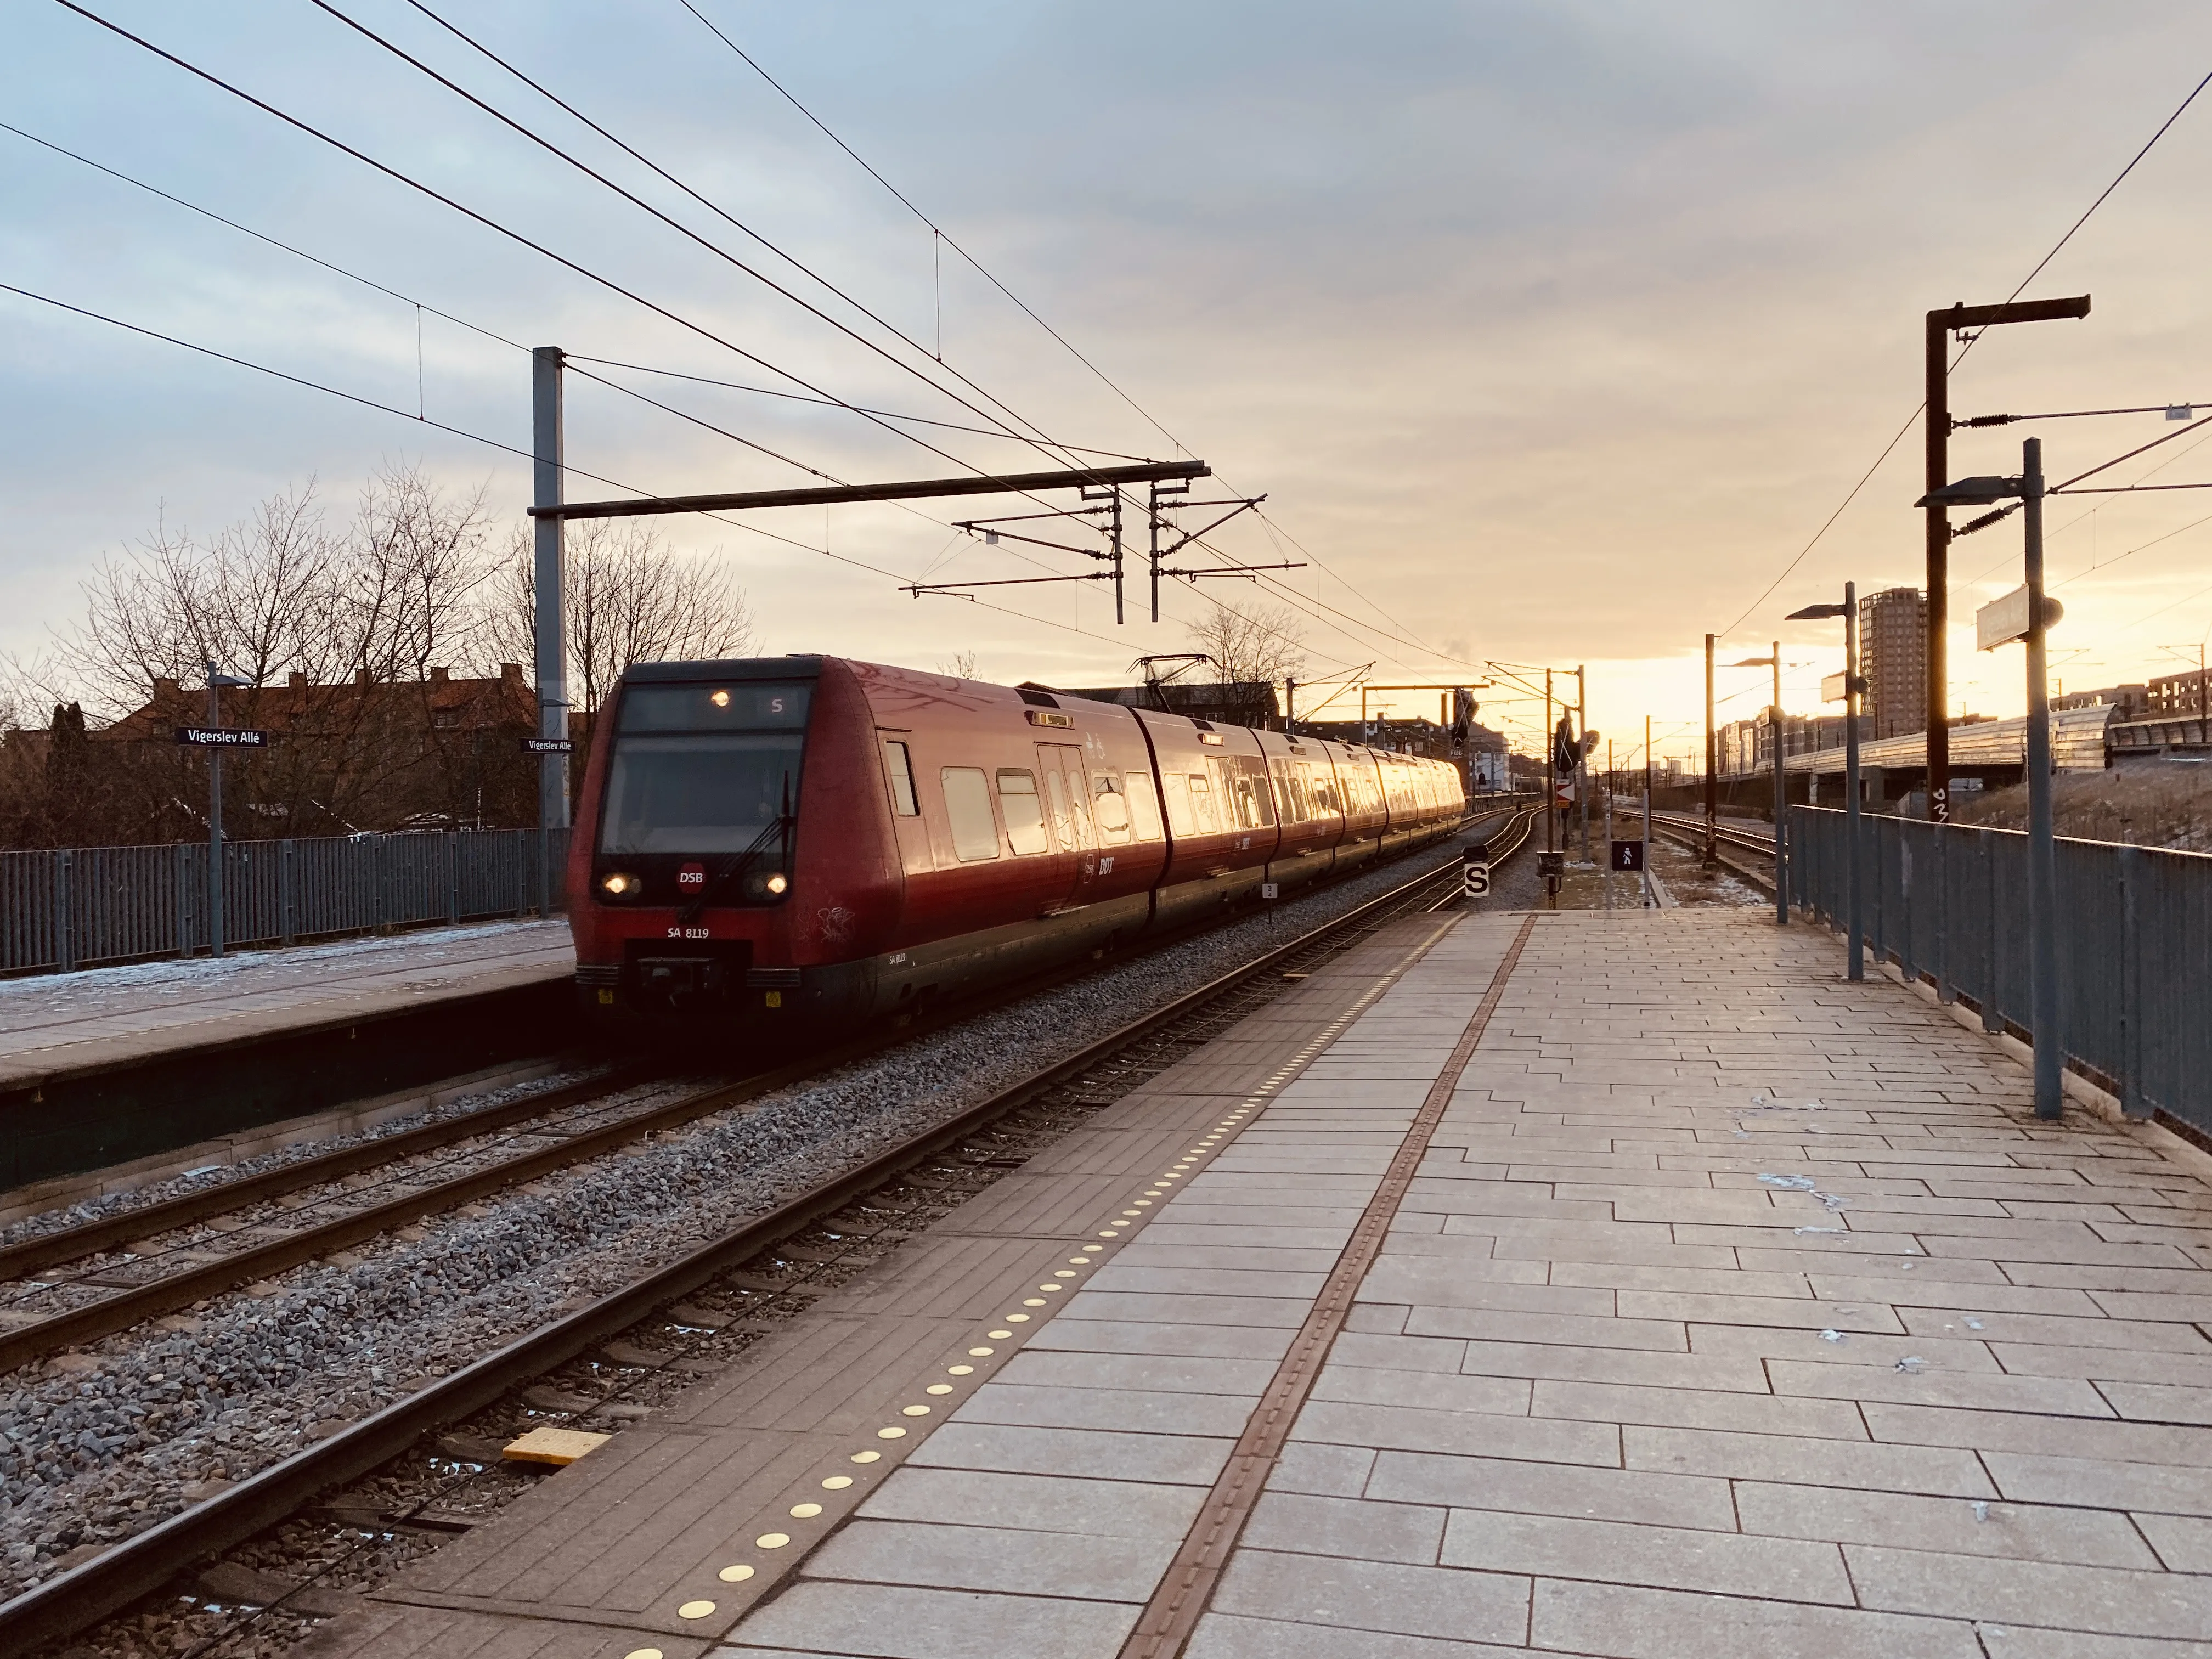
point(1628, 855)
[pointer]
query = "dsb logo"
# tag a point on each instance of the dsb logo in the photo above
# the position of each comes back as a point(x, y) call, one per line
point(691, 875)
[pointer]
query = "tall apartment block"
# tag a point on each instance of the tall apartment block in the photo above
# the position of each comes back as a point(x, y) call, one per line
point(1893, 657)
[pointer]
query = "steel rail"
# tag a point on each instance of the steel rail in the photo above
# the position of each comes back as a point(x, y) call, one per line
point(165, 1295)
point(72, 1601)
point(28, 1255)
point(1691, 831)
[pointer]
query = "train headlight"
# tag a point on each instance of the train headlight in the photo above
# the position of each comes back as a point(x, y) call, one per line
point(776, 882)
point(620, 884)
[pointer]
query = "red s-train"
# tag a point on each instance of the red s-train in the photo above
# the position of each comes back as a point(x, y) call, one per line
point(793, 841)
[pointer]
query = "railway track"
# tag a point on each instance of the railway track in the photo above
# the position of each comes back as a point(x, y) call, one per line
point(1754, 852)
point(159, 1258)
point(968, 1149)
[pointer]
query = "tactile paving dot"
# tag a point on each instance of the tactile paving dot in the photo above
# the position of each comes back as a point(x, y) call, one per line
point(890, 1434)
point(1094, 1247)
point(914, 1411)
point(1020, 1319)
point(804, 1512)
point(1061, 1273)
point(773, 1540)
point(866, 1456)
point(1031, 1302)
point(643, 1653)
point(982, 1353)
point(938, 1388)
point(1000, 1336)
point(959, 1370)
point(695, 1609)
point(837, 1483)
point(736, 1574)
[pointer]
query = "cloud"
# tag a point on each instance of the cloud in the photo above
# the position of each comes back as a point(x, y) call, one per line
point(1555, 331)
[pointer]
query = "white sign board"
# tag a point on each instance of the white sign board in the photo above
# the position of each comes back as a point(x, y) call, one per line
point(1475, 879)
point(1833, 689)
point(2002, 621)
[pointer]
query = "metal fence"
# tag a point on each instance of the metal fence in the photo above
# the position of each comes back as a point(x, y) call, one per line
point(1949, 902)
point(69, 907)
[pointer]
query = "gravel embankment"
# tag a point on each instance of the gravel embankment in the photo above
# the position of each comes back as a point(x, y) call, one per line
point(96, 1446)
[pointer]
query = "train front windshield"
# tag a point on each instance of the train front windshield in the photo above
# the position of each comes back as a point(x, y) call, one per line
point(702, 768)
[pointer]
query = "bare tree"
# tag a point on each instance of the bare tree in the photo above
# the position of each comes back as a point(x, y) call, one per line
point(630, 599)
point(964, 665)
point(409, 600)
point(1260, 644)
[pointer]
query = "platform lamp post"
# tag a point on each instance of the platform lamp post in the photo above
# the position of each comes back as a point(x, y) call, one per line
point(2027, 615)
point(1854, 687)
point(215, 683)
point(1781, 844)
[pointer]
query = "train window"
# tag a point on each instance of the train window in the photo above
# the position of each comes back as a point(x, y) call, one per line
point(968, 805)
point(1110, 806)
point(754, 706)
point(901, 768)
point(1279, 772)
point(1063, 830)
point(1017, 799)
point(1263, 798)
point(697, 792)
point(1079, 807)
point(1144, 807)
point(1176, 788)
point(1201, 803)
point(1248, 802)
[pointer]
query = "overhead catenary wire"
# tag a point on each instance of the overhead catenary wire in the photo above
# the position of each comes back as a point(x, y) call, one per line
point(1403, 635)
point(512, 235)
point(1920, 408)
point(494, 443)
point(829, 403)
point(519, 238)
point(1040, 440)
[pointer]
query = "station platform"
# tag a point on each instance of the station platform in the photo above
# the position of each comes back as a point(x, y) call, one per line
point(112, 1065)
point(1622, 1285)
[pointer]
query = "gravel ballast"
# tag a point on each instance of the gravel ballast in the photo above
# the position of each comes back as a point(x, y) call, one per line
point(96, 1446)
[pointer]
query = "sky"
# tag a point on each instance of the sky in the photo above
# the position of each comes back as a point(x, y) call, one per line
point(1553, 334)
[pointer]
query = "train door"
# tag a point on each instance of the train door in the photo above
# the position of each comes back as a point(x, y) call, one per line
point(1067, 796)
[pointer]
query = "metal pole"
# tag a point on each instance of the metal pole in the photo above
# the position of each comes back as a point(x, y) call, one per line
point(2042, 852)
point(551, 581)
point(1152, 530)
point(1290, 707)
point(1857, 925)
point(1938, 538)
point(1608, 823)
point(215, 818)
point(1551, 787)
point(1647, 812)
point(1582, 758)
point(1781, 811)
point(1712, 760)
point(1117, 555)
